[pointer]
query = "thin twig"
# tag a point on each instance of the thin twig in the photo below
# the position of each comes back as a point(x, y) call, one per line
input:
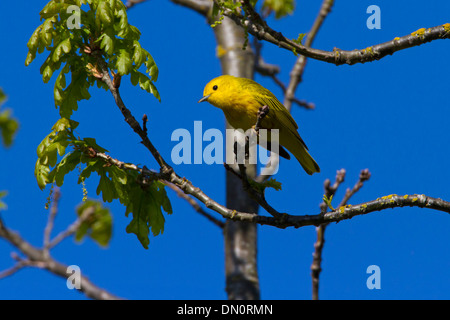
point(320, 230)
point(195, 205)
point(330, 191)
point(9, 272)
point(144, 123)
point(50, 223)
point(129, 118)
point(132, 3)
point(259, 198)
point(35, 257)
point(364, 175)
point(72, 229)
point(299, 67)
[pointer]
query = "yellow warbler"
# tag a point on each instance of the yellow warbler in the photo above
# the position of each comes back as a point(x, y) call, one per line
point(240, 100)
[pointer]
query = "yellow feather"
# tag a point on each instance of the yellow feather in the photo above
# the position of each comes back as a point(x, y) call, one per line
point(240, 100)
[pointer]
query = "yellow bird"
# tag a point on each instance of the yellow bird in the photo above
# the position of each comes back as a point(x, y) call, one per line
point(240, 100)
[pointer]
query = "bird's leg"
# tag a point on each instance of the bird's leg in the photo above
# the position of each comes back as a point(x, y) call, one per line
point(262, 113)
point(247, 148)
point(237, 148)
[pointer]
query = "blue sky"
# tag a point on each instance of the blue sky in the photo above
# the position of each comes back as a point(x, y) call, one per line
point(390, 116)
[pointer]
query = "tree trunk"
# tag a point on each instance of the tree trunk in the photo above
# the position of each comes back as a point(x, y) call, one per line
point(240, 238)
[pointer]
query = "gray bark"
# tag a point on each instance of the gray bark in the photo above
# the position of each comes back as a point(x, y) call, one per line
point(242, 280)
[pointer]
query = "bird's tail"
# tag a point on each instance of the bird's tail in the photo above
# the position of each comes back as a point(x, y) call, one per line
point(299, 150)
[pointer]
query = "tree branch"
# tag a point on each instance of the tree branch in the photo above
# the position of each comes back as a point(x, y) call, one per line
point(201, 6)
point(196, 205)
point(37, 258)
point(132, 3)
point(316, 268)
point(299, 67)
point(330, 190)
point(132, 122)
point(72, 229)
point(51, 219)
point(338, 57)
point(285, 220)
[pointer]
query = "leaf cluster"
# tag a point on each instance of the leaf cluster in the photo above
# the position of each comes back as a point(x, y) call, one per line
point(145, 199)
point(84, 38)
point(280, 8)
point(75, 49)
point(98, 223)
point(8, 125)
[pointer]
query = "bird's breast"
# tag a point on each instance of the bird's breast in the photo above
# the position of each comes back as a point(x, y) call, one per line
point(241, 114)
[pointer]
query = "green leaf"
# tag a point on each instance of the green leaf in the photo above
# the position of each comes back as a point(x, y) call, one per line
point(118, 175)
point(124, 62)
point(272, 183)
point(261, 186)
point(63, 47)
point(281, 8)
point(41, 172)
point(152, 69)
point(122, 25)
point(33, 45)
point(139, 54)
point(98, 225)
point(106, 187)
point(144, 83)
point(66, 165)
point(164, 199)
point(47, 30)
point(53, 144)
point(3, 205)
point(300, 38)
point(145, 204)
point(53, 8)
point(107, 43)
point(328, 201)
point(91, 142)
point(105, 13)
point(94, 165)
point(64, 124)
point(76, 91)
point(8, 125)
point(47, 73)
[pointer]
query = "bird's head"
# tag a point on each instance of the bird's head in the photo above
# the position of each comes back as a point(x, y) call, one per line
point(219, 91)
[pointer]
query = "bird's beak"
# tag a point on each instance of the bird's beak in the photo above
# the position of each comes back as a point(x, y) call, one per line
point(205, 98)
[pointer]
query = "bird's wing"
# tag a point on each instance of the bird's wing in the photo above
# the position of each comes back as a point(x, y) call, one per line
point(279, 112)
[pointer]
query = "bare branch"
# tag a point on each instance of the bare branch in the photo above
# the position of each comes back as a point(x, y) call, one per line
point(72, 229)
point(330, 191)
point(363, 177)
point(132, 122)
point(51, 219)
point(258, 197)
point(320, 230)
point(132, 3)
point(285, 220)
point(37, 258)
point(338, 56)
point(201, 6)
point(9, 272)
point(299, 67)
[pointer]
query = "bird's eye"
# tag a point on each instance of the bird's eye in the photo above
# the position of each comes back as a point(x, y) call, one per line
point(215, 88)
